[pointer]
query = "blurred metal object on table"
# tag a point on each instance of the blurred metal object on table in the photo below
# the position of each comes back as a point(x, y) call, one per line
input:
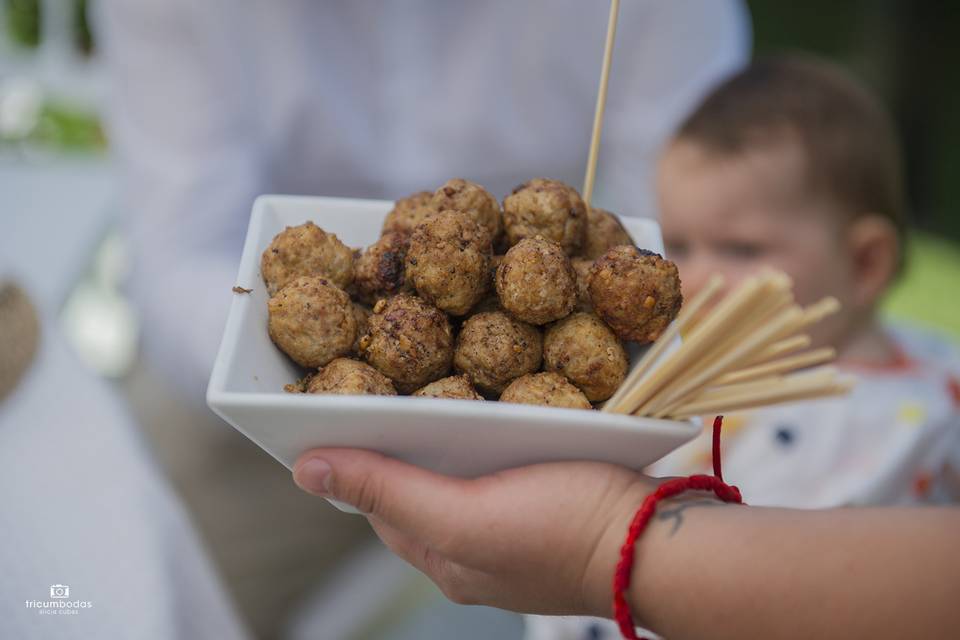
point(19, 335)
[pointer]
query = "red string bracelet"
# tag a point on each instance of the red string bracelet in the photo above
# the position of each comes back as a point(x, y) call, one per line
point(669, 489)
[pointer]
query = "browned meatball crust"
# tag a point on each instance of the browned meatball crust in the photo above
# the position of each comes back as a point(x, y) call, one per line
point(547, 388)
point(547, 208)
point(380, 269)
point(636, 292)
point(345, 376)
point(410, 342)
point(306, 250)
point(472, 199)
point(408, 212)
point(362, 314)
point(494, 348)
point(604, 231)
point(536, 282)
point(588, 353)
point(581, 267)
point(448, 261)
point(312, 320)
point(454, 387)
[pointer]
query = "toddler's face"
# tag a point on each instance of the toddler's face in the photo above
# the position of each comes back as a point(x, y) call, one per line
point(735, 214)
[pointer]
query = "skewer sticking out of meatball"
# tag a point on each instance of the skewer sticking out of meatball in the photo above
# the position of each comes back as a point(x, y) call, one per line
point(346, 376)
point(636, 292)
point(312, 320)
point(494, 348)
point(547, 388)
point(448, 261)
point(536, 282)
point(588, 353)
point(548, 208)
point(410, 342)
point(408, 212)
point(306, 250)
point(453, 387)
point(473, 200)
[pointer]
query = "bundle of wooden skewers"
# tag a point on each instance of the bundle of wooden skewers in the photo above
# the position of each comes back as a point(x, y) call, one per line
point(747, 350)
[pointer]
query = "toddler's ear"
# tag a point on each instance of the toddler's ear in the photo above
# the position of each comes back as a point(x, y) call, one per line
point(875, 253)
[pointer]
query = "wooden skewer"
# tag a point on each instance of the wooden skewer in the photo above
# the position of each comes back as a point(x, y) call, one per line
point(591, 175)
point(688, 412)
point(690, 311)
point(819, 375)
point(719, 319)
point(790, 363)
point(820, 310)
point(782, 391)
point(775, 299)
point(783, 340)
point(781, 348)
point(751, 317)
point(731, 359)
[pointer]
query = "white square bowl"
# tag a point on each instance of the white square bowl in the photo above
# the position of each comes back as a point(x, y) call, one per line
point(455, 437)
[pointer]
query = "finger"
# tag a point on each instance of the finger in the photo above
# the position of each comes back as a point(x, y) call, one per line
point(418, 502)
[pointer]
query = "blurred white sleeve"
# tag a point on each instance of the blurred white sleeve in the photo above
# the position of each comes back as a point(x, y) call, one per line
point(663, 65)
point(183, 126)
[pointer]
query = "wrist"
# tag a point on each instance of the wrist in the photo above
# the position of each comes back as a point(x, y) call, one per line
point(598, 578)
point(661, 553)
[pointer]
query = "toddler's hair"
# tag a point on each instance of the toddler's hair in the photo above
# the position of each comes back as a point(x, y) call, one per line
point(848, 138)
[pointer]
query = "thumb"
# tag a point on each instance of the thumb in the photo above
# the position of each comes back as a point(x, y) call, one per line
point(402, 495)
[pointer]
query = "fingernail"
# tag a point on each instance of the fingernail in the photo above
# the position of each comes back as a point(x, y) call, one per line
point(313, 476)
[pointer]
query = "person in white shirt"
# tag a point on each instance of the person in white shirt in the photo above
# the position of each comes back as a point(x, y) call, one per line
point(216, 102)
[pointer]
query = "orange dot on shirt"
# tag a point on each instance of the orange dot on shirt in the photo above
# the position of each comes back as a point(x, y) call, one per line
point(953, 385)
point(921, 484)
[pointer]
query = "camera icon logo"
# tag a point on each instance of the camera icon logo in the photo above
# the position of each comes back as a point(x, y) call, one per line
point(59, 591)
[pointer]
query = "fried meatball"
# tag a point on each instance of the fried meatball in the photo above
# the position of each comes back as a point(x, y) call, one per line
point(346, 376)
point(300, 386)
point(494, 348)
point(306, 250)
point(408, 212)
point(588, 353)
point(448, 261)
point(547, 388)
point(362, 314)
point(455, 387)
point(410, 342)
point(536, 282)
point(380, 269)
point(312, 320)
point(604, 231)
point(495, 261)
point(472, 199)
point(581, 267)
point(547, 208)
point(636, 292)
